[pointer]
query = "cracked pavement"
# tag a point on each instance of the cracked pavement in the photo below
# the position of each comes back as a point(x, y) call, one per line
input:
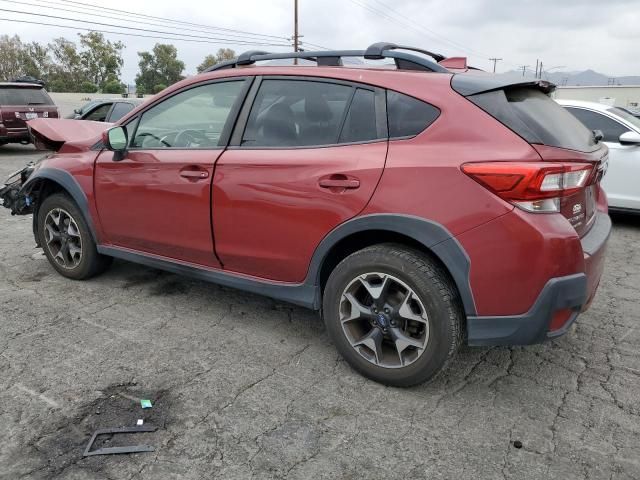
point(245, 387)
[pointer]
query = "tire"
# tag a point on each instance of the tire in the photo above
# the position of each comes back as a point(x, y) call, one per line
point(422, 328)
point(68, 262)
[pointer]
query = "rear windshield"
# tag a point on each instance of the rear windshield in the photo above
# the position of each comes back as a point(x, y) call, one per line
point(536, 117)
point(24, 96)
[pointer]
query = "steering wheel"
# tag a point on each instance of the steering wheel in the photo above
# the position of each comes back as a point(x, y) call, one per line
point(187, 138)
point(151, 135)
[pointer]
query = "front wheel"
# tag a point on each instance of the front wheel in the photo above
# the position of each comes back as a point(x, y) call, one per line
point(393, 314)
point(67, 242)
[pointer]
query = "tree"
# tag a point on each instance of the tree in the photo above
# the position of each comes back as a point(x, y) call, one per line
point(210, 60)
point(11, 56)
point(67, 73)
point(159, 67)
point(100, 58)
point(37, 61)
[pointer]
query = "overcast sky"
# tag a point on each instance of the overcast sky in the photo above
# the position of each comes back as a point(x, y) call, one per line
point(575, 34)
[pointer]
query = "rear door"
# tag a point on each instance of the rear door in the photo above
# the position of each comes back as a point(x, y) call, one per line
point(621, 180)
point(157, 199)
point(305, 157)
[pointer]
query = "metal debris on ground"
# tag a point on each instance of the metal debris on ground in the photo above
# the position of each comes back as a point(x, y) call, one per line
point(116, 450)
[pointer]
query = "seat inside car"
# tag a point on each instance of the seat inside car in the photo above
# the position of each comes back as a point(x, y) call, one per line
point(278, 126)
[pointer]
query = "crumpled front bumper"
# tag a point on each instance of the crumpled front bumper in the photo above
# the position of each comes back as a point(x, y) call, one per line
point(12, 195)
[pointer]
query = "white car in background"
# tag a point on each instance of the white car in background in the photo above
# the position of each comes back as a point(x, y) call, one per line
point(621, 132)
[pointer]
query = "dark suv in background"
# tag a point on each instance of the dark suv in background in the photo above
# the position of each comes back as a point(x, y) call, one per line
point(20, 102)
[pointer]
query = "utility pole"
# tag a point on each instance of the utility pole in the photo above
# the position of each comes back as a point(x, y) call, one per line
point(537, 64)
point(295, 29)
point(540, 76)
point(495, 60)
point(524, 68)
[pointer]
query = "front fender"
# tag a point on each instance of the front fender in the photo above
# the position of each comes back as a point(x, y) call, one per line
point(69, 184)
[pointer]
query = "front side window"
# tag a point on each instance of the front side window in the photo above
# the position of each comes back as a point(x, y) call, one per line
point(193, 118)
point(120, 109)
point(297, 113)
point(596, 121)
point(99, 114)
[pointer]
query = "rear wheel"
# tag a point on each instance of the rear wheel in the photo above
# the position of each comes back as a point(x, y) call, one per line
point(393, 314)
point(67, 242)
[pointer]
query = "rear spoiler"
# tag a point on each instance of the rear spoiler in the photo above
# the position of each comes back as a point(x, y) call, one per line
point(467, 85)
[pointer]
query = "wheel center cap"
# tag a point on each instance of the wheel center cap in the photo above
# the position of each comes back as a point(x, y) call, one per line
point(382, 321)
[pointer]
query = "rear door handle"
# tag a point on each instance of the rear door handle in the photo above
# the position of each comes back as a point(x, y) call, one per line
point(194, 173)
point(339, 181)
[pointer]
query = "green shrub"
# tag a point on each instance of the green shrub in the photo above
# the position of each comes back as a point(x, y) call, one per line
point(158, 88)
point(88, 87)
point(114, 86)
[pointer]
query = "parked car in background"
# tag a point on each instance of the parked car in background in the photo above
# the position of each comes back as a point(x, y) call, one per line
point(105, 110)
point(19, 102)
point(621, 133)
point(417, 208)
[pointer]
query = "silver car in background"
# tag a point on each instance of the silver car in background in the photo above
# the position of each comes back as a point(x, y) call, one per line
point(621, 133)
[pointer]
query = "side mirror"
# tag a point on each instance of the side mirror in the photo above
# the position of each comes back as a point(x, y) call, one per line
point(630, 138)
point(115, 139)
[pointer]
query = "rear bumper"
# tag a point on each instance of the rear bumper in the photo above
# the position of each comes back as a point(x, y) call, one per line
point(572, 292)
point(14, 135)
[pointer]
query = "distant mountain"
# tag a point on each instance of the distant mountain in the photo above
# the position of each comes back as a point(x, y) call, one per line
point(586, 78)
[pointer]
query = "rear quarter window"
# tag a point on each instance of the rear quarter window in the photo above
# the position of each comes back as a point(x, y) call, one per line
point(536, 117)
point(408, 116)
point(24, 96)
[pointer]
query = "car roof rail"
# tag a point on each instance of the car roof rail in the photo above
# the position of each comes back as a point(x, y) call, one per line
point(333, 58)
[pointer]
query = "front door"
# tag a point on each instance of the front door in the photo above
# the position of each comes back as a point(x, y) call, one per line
point(309, 159)
point(157, 199)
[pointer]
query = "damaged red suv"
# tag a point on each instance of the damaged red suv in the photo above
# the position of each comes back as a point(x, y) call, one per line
point(417, 208)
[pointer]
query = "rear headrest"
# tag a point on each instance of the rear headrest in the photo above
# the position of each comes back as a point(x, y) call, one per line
point(317, 109)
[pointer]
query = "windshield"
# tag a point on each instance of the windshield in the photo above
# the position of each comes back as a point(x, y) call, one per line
point(626, 116)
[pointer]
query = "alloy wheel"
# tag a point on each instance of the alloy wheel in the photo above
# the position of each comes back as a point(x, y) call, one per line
point(384, 320)
point(63, 239)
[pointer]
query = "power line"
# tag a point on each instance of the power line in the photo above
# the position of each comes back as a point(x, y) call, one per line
point(126, 34)
point(56, 17)
point(49, 4)
point(98, 7)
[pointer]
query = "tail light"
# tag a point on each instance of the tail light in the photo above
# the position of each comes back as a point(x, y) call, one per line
point(532, 186)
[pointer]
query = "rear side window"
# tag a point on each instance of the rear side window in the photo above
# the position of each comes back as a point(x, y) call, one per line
point(120, 109)
point(408, 116)
point(296, 113)
point(536, 117)
point(24, 96)
point(596, 121)
point(360, 124)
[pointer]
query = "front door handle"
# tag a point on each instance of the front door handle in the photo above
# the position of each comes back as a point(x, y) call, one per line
point(194, 173)
point(339, 181)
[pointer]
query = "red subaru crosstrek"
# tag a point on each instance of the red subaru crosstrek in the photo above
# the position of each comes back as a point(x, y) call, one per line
point(417, 208)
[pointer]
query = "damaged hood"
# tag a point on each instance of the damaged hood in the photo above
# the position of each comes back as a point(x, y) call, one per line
point(75, 135)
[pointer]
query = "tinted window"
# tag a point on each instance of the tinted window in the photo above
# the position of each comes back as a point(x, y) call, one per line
point(24, 96)
point(408, 116)
point(536, 117)
point(360, 124)
point(596, 121)
point(120, 109)
point(99, 114)
point(289, 113)
point(190, 119)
